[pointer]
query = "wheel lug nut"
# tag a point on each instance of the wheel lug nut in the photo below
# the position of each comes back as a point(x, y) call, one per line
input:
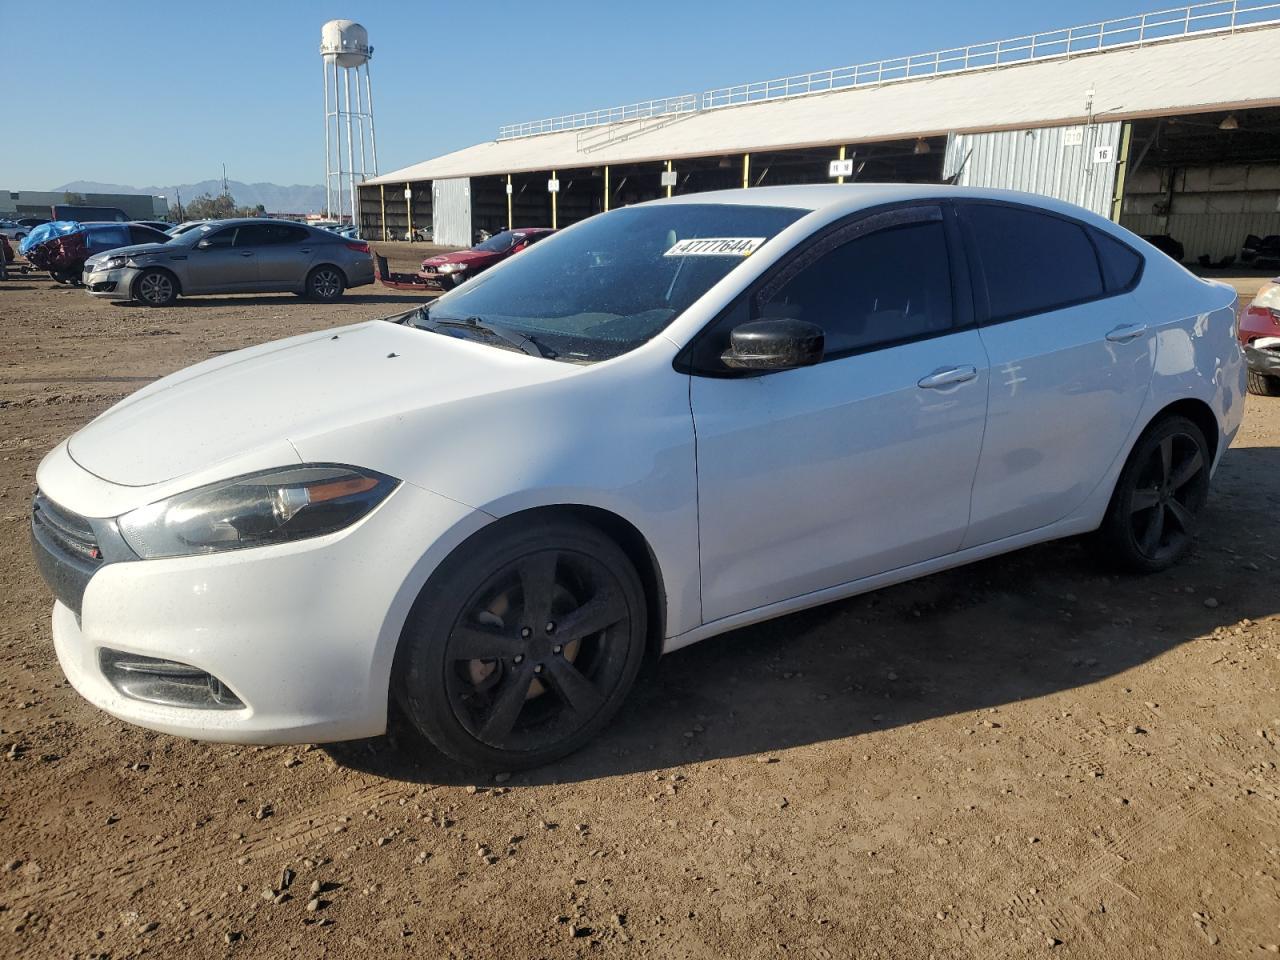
point(518, 658)
point(526, 633)
point(537, 668)
point(557, 648)
point(551, 627)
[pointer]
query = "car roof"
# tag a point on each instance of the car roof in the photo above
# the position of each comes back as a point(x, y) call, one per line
point(838, 199)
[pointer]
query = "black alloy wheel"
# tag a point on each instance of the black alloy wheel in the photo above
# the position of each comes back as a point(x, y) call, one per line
point(524, 647)
point(1151, 521)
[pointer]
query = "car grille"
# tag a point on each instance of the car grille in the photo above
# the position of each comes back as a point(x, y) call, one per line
point(70, 531)
point(66, 550)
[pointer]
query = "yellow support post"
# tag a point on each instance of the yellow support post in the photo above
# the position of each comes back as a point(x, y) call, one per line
point(840, 179)
point(553, 202)
point(668, 171)
point(606, 188)
point(510, 223)
point(1122, 171)
point(746, 170)
point(408, 203)
point(382, 190)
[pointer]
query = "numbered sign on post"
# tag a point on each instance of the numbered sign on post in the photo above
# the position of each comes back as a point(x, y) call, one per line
point(408, 193)
point(840, 168)
point(668, 178)
point(553, 186)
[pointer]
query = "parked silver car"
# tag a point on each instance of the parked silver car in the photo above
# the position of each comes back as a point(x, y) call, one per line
point(251, 255)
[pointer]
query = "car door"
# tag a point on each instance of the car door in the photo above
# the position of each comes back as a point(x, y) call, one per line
point(1071, 361)
point(813, 477)
point(284, 253)
point(217, 264)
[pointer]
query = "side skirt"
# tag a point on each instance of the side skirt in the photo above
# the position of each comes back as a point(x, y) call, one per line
point(1068, 527)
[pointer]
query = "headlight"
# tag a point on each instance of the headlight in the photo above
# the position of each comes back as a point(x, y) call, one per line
point(112, 263)
point(451, 267)
point(276, 506)
point(1268, 296)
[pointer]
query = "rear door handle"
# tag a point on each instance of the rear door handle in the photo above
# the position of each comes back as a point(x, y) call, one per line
point(246, 253)
point(1126, 332)
point(948, 377)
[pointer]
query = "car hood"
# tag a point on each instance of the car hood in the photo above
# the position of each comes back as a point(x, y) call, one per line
point(135, 250)
point(272, 397)
point(461, 256)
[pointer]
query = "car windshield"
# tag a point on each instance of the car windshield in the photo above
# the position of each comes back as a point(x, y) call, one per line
point(610, 283)
point(498, 243)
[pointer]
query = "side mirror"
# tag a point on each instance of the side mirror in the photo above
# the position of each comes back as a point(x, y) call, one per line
point(203, 245)
point(774, 345)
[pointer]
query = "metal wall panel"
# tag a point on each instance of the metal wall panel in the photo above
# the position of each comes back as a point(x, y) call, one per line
point(1215, 235)
point(1059, 162)
point(451, 211)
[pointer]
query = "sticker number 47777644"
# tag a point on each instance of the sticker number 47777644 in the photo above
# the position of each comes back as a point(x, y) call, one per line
point(715, 247)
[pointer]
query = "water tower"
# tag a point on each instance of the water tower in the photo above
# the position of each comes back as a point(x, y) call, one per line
point(344, 48)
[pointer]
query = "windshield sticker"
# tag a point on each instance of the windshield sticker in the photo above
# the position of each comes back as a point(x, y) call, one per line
point(715, 247)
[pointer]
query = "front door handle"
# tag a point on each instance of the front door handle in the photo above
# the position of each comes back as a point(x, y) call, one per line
point(1126, 332)
point(948, 377)
point(246, 253)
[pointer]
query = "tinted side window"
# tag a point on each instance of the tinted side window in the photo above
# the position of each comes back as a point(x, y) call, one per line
point(1120, 264)
point(894, 284)
point(277, 233)
point(253, 235)
point(108, 237)
point(1032, 262)
point(146, 235)
point(220, 238)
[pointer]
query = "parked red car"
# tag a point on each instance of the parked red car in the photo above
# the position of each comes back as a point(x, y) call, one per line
point(1259, 332)
point(446, 270)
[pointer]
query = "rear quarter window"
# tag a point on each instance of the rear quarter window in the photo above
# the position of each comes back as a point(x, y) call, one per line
point(1121, 265)
point(1031, 262)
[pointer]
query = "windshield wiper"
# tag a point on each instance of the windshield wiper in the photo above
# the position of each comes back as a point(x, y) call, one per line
point(513, 339)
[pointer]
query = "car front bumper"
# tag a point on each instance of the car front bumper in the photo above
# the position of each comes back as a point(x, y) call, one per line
point(1263, 356)
point(297, 639)
point(110, 284)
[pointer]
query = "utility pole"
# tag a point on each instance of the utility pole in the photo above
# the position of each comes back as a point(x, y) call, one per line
point(225, 191)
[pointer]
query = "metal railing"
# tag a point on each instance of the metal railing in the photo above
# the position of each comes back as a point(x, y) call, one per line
point(596, 118)
point(1195, 19)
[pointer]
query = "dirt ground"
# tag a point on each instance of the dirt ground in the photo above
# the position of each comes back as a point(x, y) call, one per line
point(1023, 757)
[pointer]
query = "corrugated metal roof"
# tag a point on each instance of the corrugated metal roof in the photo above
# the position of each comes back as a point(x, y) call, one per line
point(1177, 76)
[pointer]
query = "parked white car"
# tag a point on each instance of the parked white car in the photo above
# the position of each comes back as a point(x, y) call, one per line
point(663, 423)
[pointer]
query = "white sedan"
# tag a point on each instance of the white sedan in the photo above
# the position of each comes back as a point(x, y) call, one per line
point(663, 423)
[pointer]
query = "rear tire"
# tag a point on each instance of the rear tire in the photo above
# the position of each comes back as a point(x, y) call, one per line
point(1263, 385)
point(1150, 523)
point(325, 283)
point(523, 645)
point(155, 288)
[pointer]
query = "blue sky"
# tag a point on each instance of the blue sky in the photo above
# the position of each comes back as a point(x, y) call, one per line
point(154, 93)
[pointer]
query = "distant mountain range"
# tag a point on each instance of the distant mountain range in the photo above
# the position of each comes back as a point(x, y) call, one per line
point(296, 198)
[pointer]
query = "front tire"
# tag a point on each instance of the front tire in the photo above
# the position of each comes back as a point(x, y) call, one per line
point(523, 645)
point(1150, 523)
point(1262, 385)
point(325, 284)
point(155, 288)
